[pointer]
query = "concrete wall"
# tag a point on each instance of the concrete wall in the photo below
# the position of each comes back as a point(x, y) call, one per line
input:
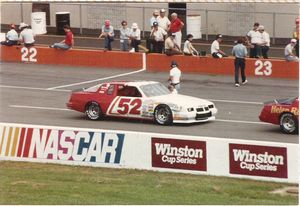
point(223, 19)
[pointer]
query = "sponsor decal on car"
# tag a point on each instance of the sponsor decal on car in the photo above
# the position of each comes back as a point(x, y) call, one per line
point(258, 160)
point(65, 145)
point(178, 154)
point(279, 109)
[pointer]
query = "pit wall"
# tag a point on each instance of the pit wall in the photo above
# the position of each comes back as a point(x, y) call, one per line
point(272, 68)
point(199, 155)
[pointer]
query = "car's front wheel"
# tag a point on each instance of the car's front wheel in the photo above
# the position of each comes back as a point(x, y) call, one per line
point(93, 111)
point(163, 115)
point(288, 123)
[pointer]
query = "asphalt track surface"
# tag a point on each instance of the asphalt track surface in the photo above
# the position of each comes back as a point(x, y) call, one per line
point(27, 97)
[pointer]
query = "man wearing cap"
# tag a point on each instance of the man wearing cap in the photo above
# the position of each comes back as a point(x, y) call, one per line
point(215, 50)
point(26, 35)
point(154, 17)
point(240, 53)
point(288, 51)
point(163, 21)
point(135, 37)
point(265, 42)
point(11, 37)
point(254, 39)
point(171, 48)
point(175, 75)
point(158, 36)
point(175, 27)
point(108, 33)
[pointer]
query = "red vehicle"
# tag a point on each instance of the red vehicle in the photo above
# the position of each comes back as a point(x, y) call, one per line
point(283, 112)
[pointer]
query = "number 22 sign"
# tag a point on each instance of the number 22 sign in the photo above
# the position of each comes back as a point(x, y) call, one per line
point(28, 54)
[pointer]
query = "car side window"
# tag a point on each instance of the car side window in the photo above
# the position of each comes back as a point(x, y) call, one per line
point(111, 89)
point(128, 91)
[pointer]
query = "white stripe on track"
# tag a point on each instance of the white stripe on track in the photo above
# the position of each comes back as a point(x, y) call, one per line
point(41, 108)
point(233, 101)
point(96, 80)
point(65, 109)
point(34, 88)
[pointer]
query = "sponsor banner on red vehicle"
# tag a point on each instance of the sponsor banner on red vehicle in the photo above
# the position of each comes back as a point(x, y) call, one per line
point(179, 154)
point(258, 160)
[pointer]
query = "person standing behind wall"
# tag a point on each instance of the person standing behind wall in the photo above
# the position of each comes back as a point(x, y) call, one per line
point(175, 27)
point(108, 33)
point(265, 45)
point(296, 35)
point(240, 53)
point(171, 48)
point(135, 37)
point(158, 36)
point(124, 36)
point(163, 21)
point(254, 39)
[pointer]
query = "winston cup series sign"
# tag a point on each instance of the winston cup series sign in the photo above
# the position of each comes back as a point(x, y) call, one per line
point(179, 154)
point(258, 160)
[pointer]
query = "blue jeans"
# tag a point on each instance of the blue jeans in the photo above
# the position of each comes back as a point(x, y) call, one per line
point(61, 46)
point(124, 44)
point(107, 42)
point(239, 64)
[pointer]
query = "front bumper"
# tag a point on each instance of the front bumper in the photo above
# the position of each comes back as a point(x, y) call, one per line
point(190, 117)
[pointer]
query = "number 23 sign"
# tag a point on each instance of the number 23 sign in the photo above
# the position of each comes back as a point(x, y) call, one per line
point(263, 68)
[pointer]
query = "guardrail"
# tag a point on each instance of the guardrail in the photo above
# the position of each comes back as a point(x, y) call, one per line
point(257, 160)
point(273, 68)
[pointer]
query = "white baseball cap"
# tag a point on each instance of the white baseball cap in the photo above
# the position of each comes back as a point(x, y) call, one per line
point(293, 41)
point(261, 27)
point(22, 25)
point(162, 11)
point(134, 26)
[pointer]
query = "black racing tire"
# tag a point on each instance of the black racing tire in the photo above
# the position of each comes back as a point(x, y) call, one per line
point(93, 111)
point(288, 123)
point(163, 115)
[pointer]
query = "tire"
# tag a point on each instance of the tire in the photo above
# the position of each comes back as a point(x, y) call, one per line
point(93, 111)
point(163, 115)
point(288, 123)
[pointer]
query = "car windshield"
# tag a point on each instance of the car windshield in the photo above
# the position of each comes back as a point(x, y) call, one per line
point(93, 88)
point(286, 101)
point(155, 89)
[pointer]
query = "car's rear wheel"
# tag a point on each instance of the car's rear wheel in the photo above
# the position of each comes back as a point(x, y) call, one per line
point(163, 115)
point(288, 123)
point(93, 111)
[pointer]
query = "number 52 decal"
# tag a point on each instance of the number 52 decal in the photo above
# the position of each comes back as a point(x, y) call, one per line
point(127, 106)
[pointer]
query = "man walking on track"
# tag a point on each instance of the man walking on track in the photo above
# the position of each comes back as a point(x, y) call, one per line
point(175, 75)
point(240, 53)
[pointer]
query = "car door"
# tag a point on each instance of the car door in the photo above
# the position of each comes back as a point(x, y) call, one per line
point(128, 102)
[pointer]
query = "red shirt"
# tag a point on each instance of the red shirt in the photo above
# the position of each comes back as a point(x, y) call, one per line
point(175, 25)
point(69, 38)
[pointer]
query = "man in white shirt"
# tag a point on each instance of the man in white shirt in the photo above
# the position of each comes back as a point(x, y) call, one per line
point(158, 36)
point(135, 37)
point(26, 35)
point(215, 50)
point(11, 37)
point(288, 51)
point(265, 45)
point(254, 38)
point(163, 21)
point(154, 18)
point(175, 75)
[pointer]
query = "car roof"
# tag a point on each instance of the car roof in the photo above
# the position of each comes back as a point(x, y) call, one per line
point(133, 83)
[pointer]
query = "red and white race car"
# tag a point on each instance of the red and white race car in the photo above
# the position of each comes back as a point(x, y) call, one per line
point(283, 112)
point(141, 100)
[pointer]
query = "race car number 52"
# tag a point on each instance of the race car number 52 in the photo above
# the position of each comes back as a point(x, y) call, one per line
point(129, 106)
point(263, 68)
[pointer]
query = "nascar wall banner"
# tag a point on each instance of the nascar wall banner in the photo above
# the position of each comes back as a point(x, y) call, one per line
point(159, 152)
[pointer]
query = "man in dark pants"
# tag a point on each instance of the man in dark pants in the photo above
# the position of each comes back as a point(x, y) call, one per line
point(240, 53)
point(254, 39)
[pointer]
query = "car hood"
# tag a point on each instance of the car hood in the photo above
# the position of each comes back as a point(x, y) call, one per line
point(181, 100)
